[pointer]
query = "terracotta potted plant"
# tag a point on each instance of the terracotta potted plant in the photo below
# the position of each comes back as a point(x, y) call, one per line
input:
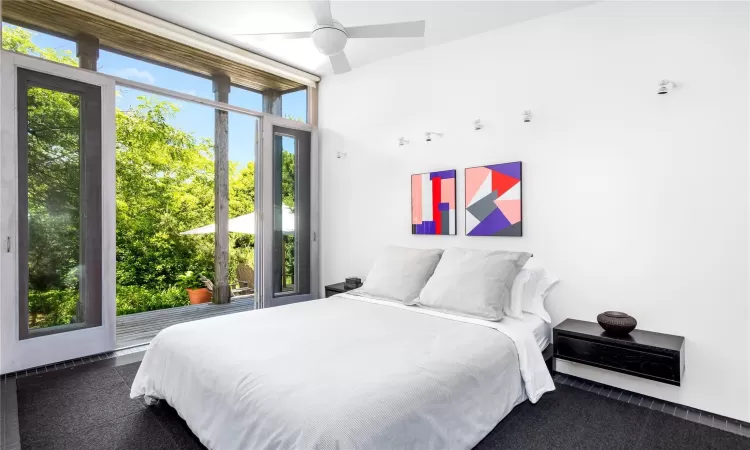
point(197, 292)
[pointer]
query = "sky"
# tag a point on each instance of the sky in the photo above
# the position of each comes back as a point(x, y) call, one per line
point(192, 118)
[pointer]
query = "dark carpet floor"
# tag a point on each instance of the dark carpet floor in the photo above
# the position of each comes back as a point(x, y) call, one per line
point(89, 408)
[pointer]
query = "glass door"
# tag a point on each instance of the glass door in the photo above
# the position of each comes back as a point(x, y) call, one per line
point(289, 220)
point(57, 288)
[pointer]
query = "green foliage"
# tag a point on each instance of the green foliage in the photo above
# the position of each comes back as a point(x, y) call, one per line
point(48, 308)
point(295, 118)
point(18, 40)
point(58, 307)
point(287, 179)
point(133, 299)
point(241, 189)
point(165, 183)
point(289, 259)
point(189, 280)
point(164, 186)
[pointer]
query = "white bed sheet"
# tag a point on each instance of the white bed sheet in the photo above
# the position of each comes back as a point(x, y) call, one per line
point(342, 372)
point(541, 330)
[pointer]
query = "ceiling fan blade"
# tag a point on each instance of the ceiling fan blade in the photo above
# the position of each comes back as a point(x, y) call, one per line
point(322, 11)
point(276, 36)
point(339, 63)
point(388, 30)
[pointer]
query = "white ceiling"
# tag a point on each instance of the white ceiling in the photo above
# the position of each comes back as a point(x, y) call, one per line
point(446, 21)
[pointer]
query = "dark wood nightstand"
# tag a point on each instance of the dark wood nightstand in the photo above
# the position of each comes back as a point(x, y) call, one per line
point(333, 289)
point(644, 354)
point(548, 355)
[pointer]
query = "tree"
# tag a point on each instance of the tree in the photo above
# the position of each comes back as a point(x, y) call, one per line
point(165, 180)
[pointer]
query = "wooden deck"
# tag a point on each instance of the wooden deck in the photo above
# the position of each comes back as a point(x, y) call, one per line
point(140, 328)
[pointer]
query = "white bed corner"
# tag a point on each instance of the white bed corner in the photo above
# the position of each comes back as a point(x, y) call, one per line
point(541, 330)
point(343, 372)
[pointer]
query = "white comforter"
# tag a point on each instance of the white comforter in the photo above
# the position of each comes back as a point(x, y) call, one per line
point(344, 372)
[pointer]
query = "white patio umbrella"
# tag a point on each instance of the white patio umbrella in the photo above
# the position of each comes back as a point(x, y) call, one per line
point(246, 224)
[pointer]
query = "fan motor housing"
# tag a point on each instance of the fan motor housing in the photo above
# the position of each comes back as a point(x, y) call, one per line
point(329, 39)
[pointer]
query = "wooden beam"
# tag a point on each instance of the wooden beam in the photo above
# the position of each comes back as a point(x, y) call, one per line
point(144, 37)
point(272, 102)
point(312, 106)
point(87, 50)
point(222, 291)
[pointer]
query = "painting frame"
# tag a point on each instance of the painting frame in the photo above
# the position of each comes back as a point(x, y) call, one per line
point(493, 200)
point(441, 214)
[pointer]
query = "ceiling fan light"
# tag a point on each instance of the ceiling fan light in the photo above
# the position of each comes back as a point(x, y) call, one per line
point(329, 40)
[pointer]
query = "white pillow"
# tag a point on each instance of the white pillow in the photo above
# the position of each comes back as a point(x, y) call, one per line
point(514, 308)
point(530, 293)
point(472, 283)
point(399, 273)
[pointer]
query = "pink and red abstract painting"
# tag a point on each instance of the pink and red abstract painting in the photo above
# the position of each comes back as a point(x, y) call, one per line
point(493, 200)
point(433, 203)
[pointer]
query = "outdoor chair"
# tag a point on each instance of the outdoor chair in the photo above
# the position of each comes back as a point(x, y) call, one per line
point(245, 279)
point(246, 290)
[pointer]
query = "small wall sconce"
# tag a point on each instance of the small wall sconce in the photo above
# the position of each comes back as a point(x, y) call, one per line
point(340, 155)
point(478, 125)
point(429, 135)
point(527, 116)
point(665, 86)
point(402, 141)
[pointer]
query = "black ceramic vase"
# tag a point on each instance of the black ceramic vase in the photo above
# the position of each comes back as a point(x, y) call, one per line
point(352, 283)
point(616, 323)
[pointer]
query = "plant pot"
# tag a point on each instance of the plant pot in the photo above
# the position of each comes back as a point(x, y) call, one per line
point(198, 296)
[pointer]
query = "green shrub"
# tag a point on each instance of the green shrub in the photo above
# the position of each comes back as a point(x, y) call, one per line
point(58, 307)
point(189, 280)
point(49, 308)
point(134, 299)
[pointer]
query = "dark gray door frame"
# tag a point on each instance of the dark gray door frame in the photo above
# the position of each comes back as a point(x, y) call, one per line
point(91, 198)
point(302, 185)
point(269, 240)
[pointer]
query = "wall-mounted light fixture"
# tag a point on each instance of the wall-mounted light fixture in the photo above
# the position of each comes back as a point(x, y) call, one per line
point(402, 141)
point(527, 116)
point(430, 134)
point(665, 86)
point(478, 125)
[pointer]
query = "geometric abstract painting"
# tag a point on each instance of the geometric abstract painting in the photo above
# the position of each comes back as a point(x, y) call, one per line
point(433, 203)
point(493, 200)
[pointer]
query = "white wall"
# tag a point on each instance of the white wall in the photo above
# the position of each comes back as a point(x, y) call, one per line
point(637, 201)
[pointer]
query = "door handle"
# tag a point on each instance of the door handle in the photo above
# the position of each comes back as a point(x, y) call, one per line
point(7, 244)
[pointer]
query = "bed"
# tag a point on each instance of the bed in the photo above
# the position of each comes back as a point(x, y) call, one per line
point(344, 372)
point(541, 330)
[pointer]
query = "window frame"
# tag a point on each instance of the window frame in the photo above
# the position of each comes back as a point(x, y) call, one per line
point(264, 117)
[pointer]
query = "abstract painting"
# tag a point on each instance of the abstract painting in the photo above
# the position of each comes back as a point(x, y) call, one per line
point(493, 200)
point(433, 203)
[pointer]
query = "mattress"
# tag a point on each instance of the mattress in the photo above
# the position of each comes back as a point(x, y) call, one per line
point(541, 330)
point(343, 372)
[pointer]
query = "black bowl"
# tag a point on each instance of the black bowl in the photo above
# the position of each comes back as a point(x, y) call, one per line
point(616, 323)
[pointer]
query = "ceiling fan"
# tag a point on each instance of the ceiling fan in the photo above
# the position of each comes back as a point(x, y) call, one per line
point(330, 37)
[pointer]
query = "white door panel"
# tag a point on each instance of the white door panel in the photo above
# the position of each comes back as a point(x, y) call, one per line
point(24, 346)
